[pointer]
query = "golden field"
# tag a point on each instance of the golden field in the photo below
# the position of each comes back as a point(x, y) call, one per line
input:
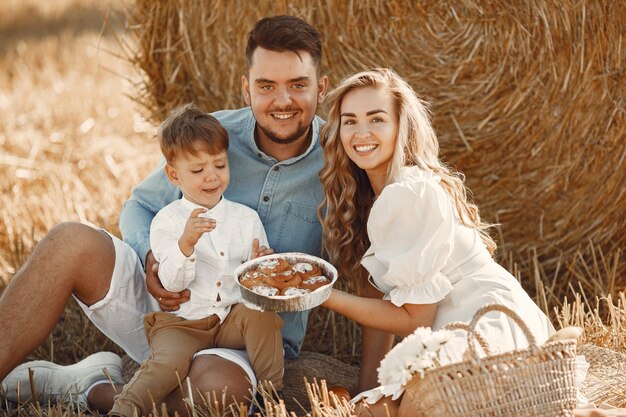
point(72, 141)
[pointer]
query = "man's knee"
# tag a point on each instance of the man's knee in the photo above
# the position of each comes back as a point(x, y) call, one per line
point(212, 374)
point(83, 258)
point(78, 239)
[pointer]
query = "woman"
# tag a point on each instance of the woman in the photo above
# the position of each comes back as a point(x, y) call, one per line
point(394, 208)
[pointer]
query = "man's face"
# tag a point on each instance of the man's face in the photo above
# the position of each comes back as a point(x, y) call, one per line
point(283, 90)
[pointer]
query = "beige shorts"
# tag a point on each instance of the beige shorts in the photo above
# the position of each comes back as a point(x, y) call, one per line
point(119, 315)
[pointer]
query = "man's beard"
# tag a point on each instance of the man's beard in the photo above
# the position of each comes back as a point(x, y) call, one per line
point(284, 141)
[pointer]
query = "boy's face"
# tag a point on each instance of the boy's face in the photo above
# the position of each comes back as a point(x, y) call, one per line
point(283, 90)
point(202, 177)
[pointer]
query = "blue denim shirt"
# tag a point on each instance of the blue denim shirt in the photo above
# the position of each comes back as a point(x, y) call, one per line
point(286, 195)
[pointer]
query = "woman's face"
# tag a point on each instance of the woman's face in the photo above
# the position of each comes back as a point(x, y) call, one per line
point(369, 130)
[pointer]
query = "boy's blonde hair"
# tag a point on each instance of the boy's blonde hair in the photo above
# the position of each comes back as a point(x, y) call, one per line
point(187, 127)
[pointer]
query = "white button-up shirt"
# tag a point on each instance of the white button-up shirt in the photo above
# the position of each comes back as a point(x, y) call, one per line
point(208, 272)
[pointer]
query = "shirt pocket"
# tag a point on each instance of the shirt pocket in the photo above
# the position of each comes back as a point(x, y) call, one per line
point(300, 230)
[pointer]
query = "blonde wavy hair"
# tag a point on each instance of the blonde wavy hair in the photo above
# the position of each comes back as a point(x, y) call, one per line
point(348, 194)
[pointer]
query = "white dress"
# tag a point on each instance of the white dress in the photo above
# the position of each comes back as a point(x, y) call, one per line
point(421, 253)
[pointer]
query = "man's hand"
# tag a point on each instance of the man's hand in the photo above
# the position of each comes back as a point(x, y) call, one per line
point(168, 301)
point(194, 228)
point(258, 251)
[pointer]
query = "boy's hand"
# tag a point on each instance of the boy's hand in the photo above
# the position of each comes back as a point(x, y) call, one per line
point(194, 228)
point(258, 251)
point(168, 301)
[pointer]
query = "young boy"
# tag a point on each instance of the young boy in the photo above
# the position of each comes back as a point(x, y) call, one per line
point(198, 241)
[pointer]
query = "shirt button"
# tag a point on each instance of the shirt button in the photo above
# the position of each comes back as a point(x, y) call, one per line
point(221, 253)
point(266, 199)
point(219, 284)
point(192, 259)
point(276, 168)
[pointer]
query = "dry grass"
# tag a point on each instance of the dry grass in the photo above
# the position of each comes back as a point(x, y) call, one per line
point(72, 144)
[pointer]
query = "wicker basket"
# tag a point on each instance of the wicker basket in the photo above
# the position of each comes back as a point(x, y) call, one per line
point(537, 381)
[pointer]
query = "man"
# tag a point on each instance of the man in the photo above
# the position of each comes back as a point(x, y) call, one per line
point(274, 157)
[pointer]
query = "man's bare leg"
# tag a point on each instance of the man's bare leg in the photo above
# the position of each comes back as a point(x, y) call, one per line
point(101, 397)
point(212, 374)
point(71, 258)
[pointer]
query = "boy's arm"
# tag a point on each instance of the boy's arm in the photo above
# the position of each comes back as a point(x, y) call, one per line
point(176, 271)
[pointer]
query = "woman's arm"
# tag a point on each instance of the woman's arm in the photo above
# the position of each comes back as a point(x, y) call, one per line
point(381, 320)
point(382, 314)
point(375, 345)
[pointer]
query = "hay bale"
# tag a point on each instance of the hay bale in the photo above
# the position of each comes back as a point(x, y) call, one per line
point(528, 100)
point(313, 366)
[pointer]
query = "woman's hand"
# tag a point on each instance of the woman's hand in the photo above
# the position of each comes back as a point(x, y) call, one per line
point(168, 301)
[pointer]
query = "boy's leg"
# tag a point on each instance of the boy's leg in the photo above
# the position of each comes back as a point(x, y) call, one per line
point(173, 342)
point(71, 258)
point(259, 333)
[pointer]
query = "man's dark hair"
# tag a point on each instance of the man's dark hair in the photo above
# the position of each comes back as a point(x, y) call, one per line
point(285, 33)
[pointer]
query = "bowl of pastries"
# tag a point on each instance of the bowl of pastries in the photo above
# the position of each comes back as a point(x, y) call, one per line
point(285, 282)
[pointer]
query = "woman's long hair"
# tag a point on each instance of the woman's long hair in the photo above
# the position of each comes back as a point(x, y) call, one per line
point(348, 194)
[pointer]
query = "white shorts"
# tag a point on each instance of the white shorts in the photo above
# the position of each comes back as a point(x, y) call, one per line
point(119, 315)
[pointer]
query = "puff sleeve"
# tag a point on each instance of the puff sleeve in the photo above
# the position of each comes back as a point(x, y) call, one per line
point(411, 230)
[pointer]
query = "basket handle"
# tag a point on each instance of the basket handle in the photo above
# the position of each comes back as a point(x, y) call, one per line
point(459, 325)
point(532, 343)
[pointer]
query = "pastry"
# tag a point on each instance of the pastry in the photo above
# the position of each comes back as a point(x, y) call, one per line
point(294, 291)
point(313, 283)
point(265, 290)
point(306, 269)
point(273, 266)
point(282, 281)
point(279, 277)
point(252, 278)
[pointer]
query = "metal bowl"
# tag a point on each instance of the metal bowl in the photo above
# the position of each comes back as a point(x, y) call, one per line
point(280, 303)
